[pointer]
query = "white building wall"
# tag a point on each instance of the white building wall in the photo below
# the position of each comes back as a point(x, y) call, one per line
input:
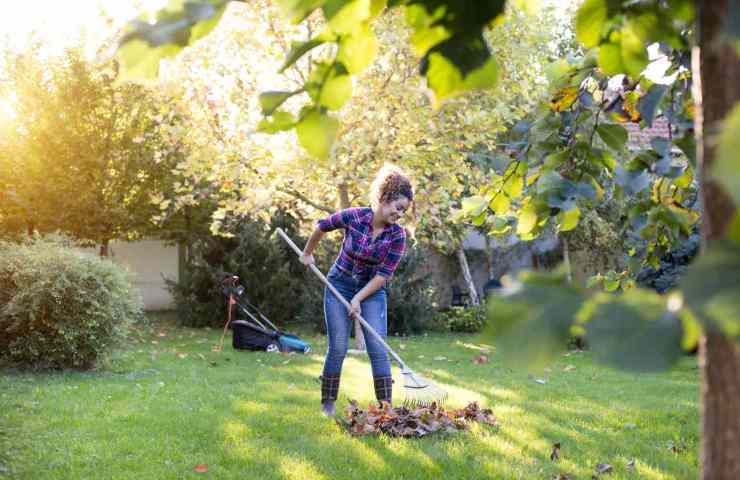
point(148, 261)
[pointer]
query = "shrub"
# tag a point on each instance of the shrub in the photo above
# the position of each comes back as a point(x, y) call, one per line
point(60, 308)
point(270, 272)
point(462, 319)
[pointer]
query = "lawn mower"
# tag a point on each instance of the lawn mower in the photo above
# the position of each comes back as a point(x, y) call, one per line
point(252, 330)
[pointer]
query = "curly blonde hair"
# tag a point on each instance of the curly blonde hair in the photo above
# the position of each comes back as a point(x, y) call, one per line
point(390, 184)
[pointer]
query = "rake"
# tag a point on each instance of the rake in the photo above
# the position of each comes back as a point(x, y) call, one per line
point(419, 392)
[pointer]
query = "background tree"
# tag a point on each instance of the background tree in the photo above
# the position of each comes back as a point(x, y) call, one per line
point(85, 154)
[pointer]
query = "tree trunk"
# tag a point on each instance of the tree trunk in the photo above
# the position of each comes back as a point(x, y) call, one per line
point(566, 260)
point(359, 336)
point(716, 90)
point(105, 248)
point(489, 256)
point(466, 274)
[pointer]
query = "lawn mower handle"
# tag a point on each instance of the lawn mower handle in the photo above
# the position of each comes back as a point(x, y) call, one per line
point(344, 301)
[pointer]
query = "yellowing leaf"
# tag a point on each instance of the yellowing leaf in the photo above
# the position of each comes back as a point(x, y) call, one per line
point(500, 204)
point(590, 19)
point(514, 186)
point(564, 99)
point(568, 220)
point(358, 50)
point(527, 219)
point(345, 16)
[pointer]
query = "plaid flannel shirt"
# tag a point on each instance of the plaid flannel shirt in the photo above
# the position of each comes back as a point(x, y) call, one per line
point(360, 255)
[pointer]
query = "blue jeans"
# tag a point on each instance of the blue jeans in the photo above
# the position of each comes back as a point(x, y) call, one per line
point(339, 324)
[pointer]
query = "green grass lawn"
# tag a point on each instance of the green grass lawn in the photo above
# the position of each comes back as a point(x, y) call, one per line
point(168, 403)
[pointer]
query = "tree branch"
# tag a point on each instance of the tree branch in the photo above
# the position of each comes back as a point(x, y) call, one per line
point(305, 199)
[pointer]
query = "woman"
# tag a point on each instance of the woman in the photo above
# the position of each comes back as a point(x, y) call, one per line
point(373, 245)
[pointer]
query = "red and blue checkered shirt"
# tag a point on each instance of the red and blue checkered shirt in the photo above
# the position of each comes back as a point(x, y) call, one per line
point(360, 255)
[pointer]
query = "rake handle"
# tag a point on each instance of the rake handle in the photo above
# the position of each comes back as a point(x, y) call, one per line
point(344, 301)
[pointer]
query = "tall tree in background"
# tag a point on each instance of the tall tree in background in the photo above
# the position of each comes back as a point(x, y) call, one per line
point(83, 155)
point(717, 64)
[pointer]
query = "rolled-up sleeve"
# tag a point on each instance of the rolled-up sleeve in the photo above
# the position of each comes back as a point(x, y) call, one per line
point(337, 220)
point(395, 253)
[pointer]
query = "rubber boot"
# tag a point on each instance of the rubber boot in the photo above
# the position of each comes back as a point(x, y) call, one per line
point(329, 392)
point(383, 389)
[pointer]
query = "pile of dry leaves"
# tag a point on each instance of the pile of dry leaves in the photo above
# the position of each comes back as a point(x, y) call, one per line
point(404, 422)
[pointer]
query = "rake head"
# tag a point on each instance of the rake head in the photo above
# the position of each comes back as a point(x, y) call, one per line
point(421, 392)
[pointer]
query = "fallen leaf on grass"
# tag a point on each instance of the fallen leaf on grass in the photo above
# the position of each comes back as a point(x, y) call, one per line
point(555, 455)
point(154, 342)
point(541, 381)
point(403, 422)
point(440, 358)
point(480, 359)
point(569, 368)
point(161, 334)
point(201, 468)
point(182, 355)
point(201, 356)
point(677, 447)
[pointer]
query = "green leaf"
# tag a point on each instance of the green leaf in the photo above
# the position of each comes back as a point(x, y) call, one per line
point(568, 220)
point(298, 10)
point(634, 331)
point(358, 50)
point(336, 91)
point(634, 51)
point(594, 280)
point(280, 121)
point(615, 136)
point(632, 181)
point(531, 325)
point(298, 49)
point(459, 64)
point(500, 226)
point(682, 9)
point(610, 59)
point(204, 27)
point(142, 61)
point(376, 7)
point(482, 78)
point(590, 20)
point(316, 133)
point(726, 168)
point(733, 231)
point(557, 72)
point(474, 206)
point(648, 103)
point(687, 144)
point(711, 288)
point(270, 101)
point(345, 16)
point(692, 330)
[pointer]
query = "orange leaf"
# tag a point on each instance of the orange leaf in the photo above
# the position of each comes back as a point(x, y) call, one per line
point(480, 359)
point(201, 468)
